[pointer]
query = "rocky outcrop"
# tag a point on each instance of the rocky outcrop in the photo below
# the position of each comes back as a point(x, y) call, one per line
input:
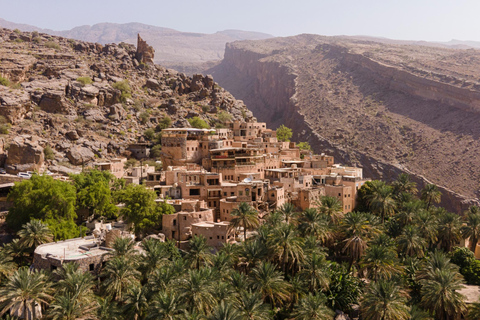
point(360, 102)
point(145, 53)
point(80, 155)
point(24, 154)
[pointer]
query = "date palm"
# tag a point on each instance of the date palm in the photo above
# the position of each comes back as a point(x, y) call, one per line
point(197, 291)
point(332, 208)
point(313, 223)
point(288, 212)
point(124, 247)
point(473, 311)
point(252, 252)
point(225, 311)
point(381, 262)
point(426, 223)
point(69, 307)
point(382, 201)
point(166, 306)
point(449, 230)
point(286, 245)
point(23, 291)
point(440, 296)
point(315, 272)
point(120, 275)
point(270, 283)
point(244, 216)
point(153, 256)
point(34, 233)
point(312, 307)
point(409, 211)
point(7, 266)
point(136, 302)
point(430, 194)
point(357, 231)
point(410, 242)
point(199, 254)
point(472, 229)
point(404, 184)
point(251, 307)
point(384, 300)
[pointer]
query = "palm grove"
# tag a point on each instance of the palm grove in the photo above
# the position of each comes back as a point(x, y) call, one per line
point(393, 258)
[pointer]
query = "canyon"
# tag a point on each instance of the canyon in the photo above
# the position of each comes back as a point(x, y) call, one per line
point(387, 107)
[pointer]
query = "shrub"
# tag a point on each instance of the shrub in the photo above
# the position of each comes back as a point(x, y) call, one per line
point(205, 108)
point(52, 45)
point(304, 146)
point(224, 116)
point(17, 31)
point(35, 34)
point(125, 88)
point(4, 127)
point(18, 40)
point(284, 133)
point(144, 117)
point(48, 152)
point(130, 163)
point(149, 134)
point(164, 124)
point(156, 151)
point(85, 80)
point(198, 123)
point(4, 82)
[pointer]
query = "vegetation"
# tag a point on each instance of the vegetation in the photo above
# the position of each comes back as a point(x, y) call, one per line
point(48, 152)
point(124, 87)
point(4, 81)
point(85, 80)
point(396, 260)
point(52, 45)
point(304, 146)
point(284, 133)
point(198, 123)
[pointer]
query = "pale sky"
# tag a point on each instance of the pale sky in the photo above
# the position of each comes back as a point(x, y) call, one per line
point(431, 20)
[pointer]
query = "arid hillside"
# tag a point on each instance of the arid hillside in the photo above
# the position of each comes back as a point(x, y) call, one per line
point(86, 101)
point(182, 51)
point(386, 107)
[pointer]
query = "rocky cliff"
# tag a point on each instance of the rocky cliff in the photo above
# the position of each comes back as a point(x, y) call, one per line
point(86, 100)
point(389, 108)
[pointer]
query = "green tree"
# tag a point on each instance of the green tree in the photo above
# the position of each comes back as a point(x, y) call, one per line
point(136, 303)
point(449, 226)
point(225, 311)
point(94, 192)
point(384, 300)
point(198, 123)
point(196, 290)
point(251, 306)
point(312, 223)
point(23, 291)
point(431, 194)
point(471, 231)
point(270, 283)
point(381, 262)
point(411, 243)
point(140, 207)
point(284, 133)
point(312, 307)
point(120, 275)
point(252, 252)
point(199, 252)
point(244, 216)
point(286, 245)
point(288, 212)
point(315, 272)
point(34, 233)
point(304, 146)
point(43, 198)
point(166, 306)
point(332, 207)
point(404, 184)
point(381, 200)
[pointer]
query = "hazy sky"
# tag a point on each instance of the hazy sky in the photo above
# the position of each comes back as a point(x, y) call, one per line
point(434, 20)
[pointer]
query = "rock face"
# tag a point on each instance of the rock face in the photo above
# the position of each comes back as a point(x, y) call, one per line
point(369, 105)
point(145, 53)
point(24, 154)
point(85, 99)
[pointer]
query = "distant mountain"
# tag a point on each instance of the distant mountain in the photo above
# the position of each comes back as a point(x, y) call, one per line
point(172, 48)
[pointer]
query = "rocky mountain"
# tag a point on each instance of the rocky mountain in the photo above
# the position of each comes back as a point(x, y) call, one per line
point(86, 100)
point(183, 51)
point(387, 107)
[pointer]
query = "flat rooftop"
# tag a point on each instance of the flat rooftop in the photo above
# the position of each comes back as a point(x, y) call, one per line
point(72, 249)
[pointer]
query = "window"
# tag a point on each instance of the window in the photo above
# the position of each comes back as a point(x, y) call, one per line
point(339, 194)
point(194, 192)
point(218, 237)
point(240, 193)
point(200, 216)
point(53, 267)
point(92, 266)
point(174, 222)
point(185, 218)
point(173, 234)
point(223, 237)
point(210, 238)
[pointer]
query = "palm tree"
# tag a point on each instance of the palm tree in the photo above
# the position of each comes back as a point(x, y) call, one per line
point(427, 226)
point(252, 252)
point(419, 314)
point(69, 307)
point(315, 272)
point(108, 310)
point(408, 212)
point(166, 306)
point(124, 247)
point(251, 306)
point(244, 216)
point(238, 281)
point(286, 245)
point(313, 223)
point(152, 257)
point(472, 229)
point(381, 262)
point(431, 194)
point(270, 283)
point(449, 226)
point(136, 303)
point(25, 290)
point(439, 294)
point(120, 275)
point(384, 300)
point(437, 260)
point(411, 243)
point(225, 311)
point(331, 207)
point(7, 266)
point(357, 231)
point(312, 307)
point(382, 202)
point(288, 212)
point(222, 263)
point(34, 233)
point(199, 253)
point(404, 184)
point(196, 289)
point(473, 311)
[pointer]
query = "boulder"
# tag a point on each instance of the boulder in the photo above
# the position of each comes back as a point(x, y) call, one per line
point(54, 101)
point(24, 154)
point(117, 112)
point(72, 135)
point(79, 155)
